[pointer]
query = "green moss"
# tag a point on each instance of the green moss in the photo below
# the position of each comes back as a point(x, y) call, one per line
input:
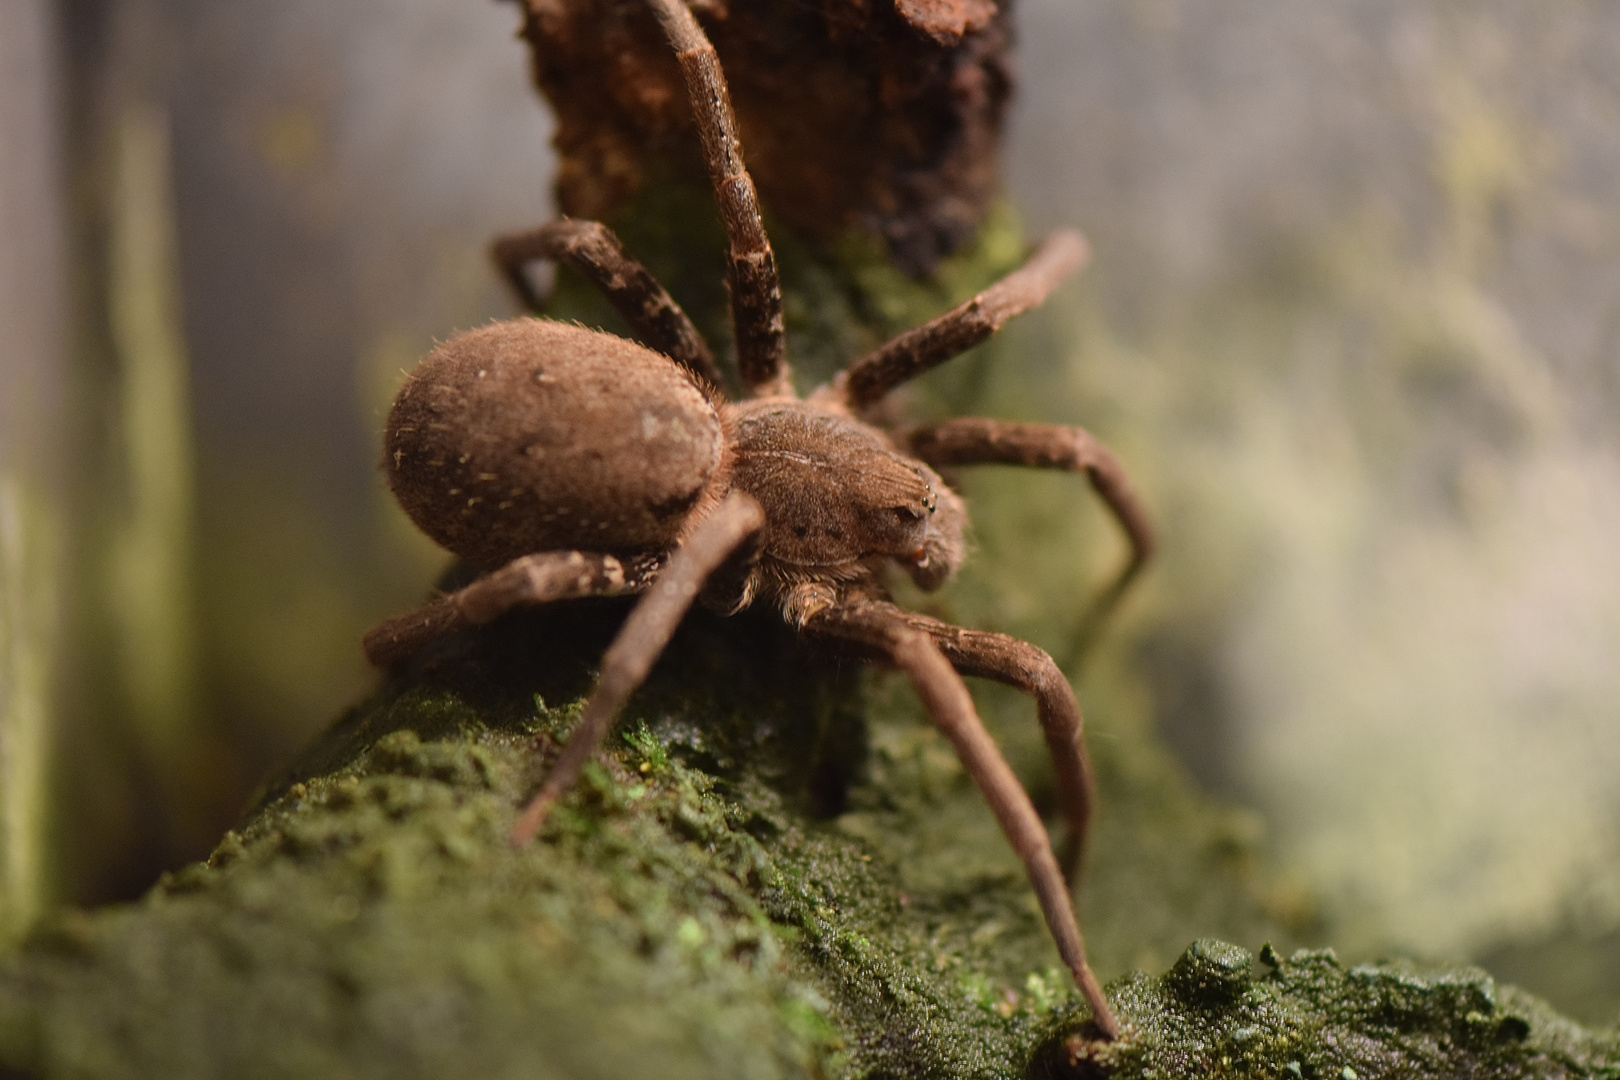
point(1309, 1017)
point(771, 874)
point(370, 919)
point(737, 890)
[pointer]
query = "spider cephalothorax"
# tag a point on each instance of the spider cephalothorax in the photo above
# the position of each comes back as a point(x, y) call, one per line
point(839, 500)
point(566, 462)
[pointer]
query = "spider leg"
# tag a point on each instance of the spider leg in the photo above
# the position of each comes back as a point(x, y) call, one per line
point(524, 582)
point(756, 291)
point(591, 248)
point(1015, 663)
point(921, 350)
point(888, 631)
point(1007, 660)
point(1046, 446)
point(640, 641)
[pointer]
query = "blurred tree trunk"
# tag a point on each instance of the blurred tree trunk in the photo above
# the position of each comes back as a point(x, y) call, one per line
point(32, 449)
point(97, 632)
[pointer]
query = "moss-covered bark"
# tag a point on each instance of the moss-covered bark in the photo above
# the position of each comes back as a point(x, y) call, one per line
point(732, 894)
point(763, 879)
point(1310, 1017)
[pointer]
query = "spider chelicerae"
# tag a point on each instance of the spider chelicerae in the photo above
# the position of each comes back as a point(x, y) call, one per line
point(566, 462)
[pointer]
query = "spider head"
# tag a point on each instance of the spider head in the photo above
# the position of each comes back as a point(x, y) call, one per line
point(839, 500)
point(908, 514)
point(936, 560)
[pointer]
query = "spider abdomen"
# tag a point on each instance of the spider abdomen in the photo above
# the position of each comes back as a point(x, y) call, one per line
point(534, 435)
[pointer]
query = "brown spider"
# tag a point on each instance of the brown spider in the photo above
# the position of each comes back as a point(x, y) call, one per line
point(568, 462)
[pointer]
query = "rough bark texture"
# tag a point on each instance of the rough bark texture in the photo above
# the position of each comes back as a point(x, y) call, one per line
point(855, 115)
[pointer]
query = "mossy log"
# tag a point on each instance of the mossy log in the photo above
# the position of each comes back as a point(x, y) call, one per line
point(772, 873)
point(1309, 1017)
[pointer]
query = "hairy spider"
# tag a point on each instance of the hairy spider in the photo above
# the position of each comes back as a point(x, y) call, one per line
point(568, 462)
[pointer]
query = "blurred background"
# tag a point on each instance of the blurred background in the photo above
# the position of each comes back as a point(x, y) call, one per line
point(1353, 324)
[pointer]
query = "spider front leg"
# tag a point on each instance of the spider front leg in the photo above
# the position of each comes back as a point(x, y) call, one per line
point(927, 662)
point(1047, 446)
point(1022, 666)
point(523, 582)
point(726, 531)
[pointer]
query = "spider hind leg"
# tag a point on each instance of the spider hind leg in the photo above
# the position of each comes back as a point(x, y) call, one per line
point(590, 248)
point(524, 582)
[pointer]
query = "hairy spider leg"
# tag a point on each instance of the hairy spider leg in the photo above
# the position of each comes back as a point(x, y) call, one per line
point(591, 248)
point(640, 642)
point(865, 382)
point(1022, 666)
point(972, 441)
point(924, 660)
point(756, 291)
point(524, 582)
